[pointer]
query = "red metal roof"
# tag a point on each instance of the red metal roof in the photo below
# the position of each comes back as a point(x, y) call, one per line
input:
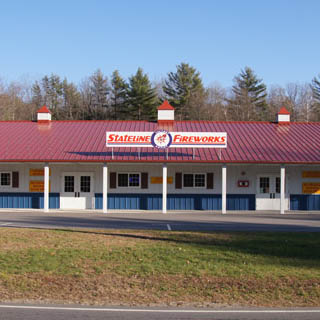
point(166, 106)
point(85, 141)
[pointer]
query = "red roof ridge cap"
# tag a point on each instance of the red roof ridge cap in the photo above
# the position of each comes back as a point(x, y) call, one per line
point(224, 121)
point(66, 120)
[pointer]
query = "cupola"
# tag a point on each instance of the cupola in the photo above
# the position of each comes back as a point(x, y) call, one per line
point(43, 114)
point(283, 115)
point(165, 113)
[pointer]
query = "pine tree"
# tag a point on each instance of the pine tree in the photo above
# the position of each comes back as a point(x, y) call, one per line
point(71, 101)
point(62, 98)
point(118, 96)
point(52, 88)
point(315, 107)
point(142, 97)
point(36, 95)
point(249, 101)
point(99, 92)
point(184, 90)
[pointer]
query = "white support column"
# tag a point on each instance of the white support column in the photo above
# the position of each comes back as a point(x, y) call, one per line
point(282, 188)
point(224, 188)
point(164, 188)
point(105, 188)
point(46, 187)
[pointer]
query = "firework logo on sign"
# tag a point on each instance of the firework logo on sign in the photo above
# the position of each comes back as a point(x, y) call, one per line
point(161, 139)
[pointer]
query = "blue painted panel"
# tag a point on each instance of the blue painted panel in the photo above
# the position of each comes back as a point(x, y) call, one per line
point(28, 200)
point(110, 203)
point(122, 201)
point(241, 202)
point(176, 201)
point(210, 202)
point(127, 201)
point(133, 203)
point(297, 202)
point(314, 202)
point(304, 202)
point(154, 202)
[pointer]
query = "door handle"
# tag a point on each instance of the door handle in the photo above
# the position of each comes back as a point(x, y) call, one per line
point(75, 194)
point(78, 194)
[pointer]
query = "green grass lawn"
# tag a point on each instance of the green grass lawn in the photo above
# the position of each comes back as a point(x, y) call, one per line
point(160, 267)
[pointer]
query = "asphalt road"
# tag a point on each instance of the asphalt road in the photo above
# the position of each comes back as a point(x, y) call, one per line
point(61, 313)
point(178, 221)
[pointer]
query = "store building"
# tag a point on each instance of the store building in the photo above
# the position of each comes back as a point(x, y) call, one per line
point(80, 165)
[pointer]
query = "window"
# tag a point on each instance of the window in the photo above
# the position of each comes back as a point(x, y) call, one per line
point(199, 180)
point(134, 180)
point(191, 180)
point(85, 183)
point(5, 179)
point(264, 185)
point(68, 183)
point(128, 179)
point(122, 180)
point(277, 184)
point(188, 180)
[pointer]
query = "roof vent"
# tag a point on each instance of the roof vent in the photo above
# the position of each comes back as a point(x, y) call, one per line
point(166, 113)
point(43, 114)
point(283, 115)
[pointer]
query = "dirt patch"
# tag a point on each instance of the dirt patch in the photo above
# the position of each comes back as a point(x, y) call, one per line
point(160, 290)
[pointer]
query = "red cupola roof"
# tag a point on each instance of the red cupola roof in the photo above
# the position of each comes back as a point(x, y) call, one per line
point(43, 109)
point(166, 106)
point(283, 110)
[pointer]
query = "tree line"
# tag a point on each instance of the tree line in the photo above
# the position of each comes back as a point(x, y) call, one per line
point(137, 98)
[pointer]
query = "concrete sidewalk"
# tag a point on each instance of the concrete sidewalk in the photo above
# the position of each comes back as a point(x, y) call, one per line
point(169, 212)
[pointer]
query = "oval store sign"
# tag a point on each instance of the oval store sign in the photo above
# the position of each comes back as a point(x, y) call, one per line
point(163, 139)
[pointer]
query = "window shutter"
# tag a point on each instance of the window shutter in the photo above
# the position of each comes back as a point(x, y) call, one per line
point(209, 180)
point(15, 179)
point(144, 180)
point(113, 180)
point(178, 180)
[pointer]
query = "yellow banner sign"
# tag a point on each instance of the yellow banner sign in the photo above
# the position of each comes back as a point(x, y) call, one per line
point(37, 186)
point(311, 188)
point(37, 172)
point(158, 180)
point(311, 174)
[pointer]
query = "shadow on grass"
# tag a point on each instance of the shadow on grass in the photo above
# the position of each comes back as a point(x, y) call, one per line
point(273, 238)
point(298, 246)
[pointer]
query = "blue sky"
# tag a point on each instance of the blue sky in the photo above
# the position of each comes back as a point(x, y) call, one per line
point(279, 40)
